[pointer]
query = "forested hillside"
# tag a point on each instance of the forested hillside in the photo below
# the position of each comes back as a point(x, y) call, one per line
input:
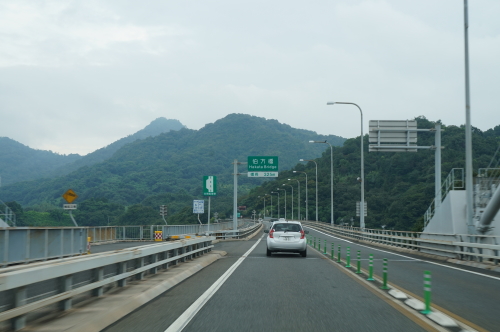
point(168, 169)
point(155, 128)
point(22, 163)
point(398, 186)
point(19, 162)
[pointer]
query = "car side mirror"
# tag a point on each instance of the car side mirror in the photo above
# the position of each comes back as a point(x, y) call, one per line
point(266, 231)
point(306, 232)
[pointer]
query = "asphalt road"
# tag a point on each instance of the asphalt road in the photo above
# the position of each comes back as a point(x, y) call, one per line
point(284, 292)
point(467, 292)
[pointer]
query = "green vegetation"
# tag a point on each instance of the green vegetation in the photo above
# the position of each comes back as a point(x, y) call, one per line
point(168, 169)
point(399, 187)
point(129, 187)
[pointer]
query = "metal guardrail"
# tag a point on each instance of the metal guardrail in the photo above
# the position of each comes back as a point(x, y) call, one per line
point(26, 288)
point(28, 244)
point(239, 234)
point(147, 232)
point(460, 246)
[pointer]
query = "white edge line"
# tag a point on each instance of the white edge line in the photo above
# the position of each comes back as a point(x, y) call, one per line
point(181, 322)
point(411, 258)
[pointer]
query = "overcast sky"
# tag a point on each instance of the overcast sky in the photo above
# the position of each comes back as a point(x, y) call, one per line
point(76, 76)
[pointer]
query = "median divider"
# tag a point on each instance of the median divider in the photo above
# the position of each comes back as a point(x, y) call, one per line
point(423, 309)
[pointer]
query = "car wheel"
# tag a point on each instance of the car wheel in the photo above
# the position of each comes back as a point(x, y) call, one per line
point(303, 253)
point(268, 253)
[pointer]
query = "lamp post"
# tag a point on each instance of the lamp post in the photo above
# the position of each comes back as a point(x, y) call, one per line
point(271, 204)
point(292, 195)
point(264, 198)
point(298, 198)
point(273, 192)
point(331, 177)
point(315, 163)
point(307, 206)
point(362, 179)
point(285, 199)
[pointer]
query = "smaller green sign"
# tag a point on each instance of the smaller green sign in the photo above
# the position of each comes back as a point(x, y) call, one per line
point(263, 163)
point(209, 185)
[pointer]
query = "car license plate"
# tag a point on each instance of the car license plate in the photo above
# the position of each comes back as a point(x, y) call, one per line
point(286, 238)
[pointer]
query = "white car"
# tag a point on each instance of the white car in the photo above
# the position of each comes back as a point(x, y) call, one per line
point(287, 236)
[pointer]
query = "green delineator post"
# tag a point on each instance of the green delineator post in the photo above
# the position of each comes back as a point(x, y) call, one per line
point(348, 258)
point(370, 269)
point(333, 250)
point(315, 242)
point(359, 263)
point(384, 276)
point(338, 255)
point(324, 249)
point(427, 293)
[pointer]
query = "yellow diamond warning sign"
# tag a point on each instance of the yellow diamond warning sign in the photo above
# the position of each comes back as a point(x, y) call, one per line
point(70, 196)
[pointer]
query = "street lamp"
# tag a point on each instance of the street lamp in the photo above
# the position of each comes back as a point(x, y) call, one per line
point(264, 198)
point(298, 198)
point(272, 192)
point(362, 180)
point(316, 184)
point(331, 177)
point(285, 199)
point(307, 206)
point(292, 195)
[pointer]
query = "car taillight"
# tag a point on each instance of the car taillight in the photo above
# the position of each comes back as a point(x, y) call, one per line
point(302, 234)
point(271, 233)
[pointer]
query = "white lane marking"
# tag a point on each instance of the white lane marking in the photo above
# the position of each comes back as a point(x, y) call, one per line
point(181, 322)
point(414, 259)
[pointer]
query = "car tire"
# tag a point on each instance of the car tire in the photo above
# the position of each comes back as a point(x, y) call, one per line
point(268, 252)
point(303, 253)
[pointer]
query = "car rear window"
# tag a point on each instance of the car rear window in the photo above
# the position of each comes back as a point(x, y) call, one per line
point(286, 227)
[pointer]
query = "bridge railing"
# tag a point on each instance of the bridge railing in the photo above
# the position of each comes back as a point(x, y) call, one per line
point(27, 244)
point(26, 288)
point(454, 181)
point(147, 232)
point(479, 248)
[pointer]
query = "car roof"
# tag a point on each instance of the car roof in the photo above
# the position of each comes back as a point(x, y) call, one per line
point(287, 221)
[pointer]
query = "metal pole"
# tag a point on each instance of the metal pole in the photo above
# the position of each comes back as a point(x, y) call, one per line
point(468, 131)
point(316, 190)
point(208, 227)
point(285, 198)
point(307, 206)
point(437, 166)
point(265, 205)
point(271, 205)
point(235, 196)
point(278, 204)
point(298, 200)
point(292, 197)
point(362, 207)
point(331, 183)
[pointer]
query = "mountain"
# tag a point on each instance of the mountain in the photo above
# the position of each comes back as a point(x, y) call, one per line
point(176, 161)
point(155, 128)
point(19, 162)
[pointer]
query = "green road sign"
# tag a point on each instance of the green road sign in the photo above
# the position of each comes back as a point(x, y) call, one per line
point(263, 164)
point(209, 185)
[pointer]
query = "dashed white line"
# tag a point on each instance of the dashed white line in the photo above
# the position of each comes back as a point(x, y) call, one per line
point(181, 322)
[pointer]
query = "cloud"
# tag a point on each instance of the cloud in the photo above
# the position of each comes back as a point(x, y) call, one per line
point(60, 33)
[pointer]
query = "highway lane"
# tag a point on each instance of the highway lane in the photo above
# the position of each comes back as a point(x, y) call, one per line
point(454, 288)
point(284, 292)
